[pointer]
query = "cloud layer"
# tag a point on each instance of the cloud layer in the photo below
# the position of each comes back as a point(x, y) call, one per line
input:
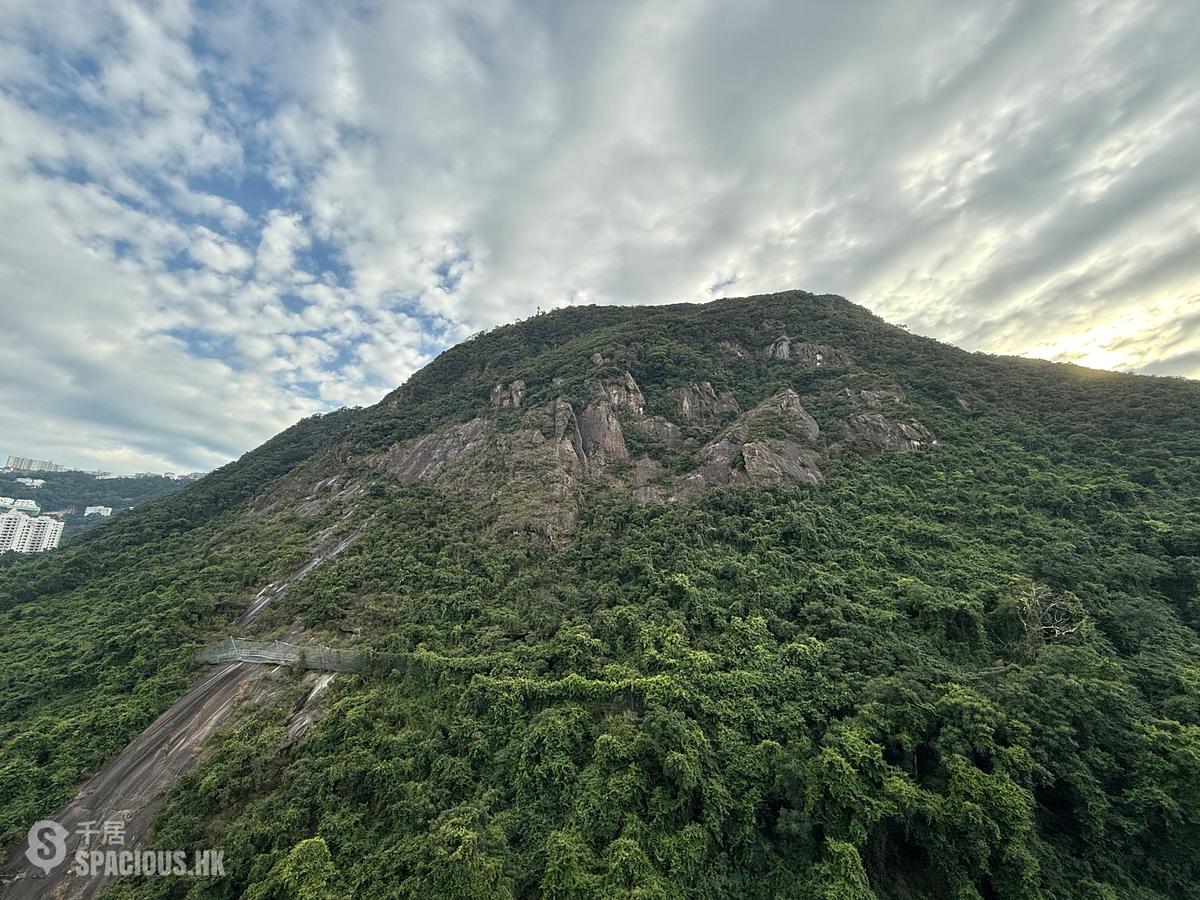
point(219, 218)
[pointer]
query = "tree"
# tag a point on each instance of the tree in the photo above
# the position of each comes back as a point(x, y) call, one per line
point(1047, 617)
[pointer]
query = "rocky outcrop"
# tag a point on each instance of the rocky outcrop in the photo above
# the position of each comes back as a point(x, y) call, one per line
point(700, 404)
point(510, 394)
point(892, 395)
point(968, 402)
point(874, 432)
point(717, 462)
point(622, 393)
point(426, 457)
point(658, 428)
point(774, 443)
point(603, 440)
point(768, 462)
point(780, 348)
point(597, 359)
point(532, 473)
point(781, 462)
point(786, 413)
point(568, 444)
point(642, 479)
point(732, 348)
point(807, 354)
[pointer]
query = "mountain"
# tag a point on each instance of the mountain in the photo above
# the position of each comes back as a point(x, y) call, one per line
point(69, 493)
point(758, 598)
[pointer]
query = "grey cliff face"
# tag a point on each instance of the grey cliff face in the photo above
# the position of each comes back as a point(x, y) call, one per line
point(701, 405)
point(806, 354)
point(877, 399)
point(533, 471)
point(873, 432)
point(622, 393)
point(427, 457)
point(659, 428)
point(510, 394)
point(739, 456)
point(603, 440)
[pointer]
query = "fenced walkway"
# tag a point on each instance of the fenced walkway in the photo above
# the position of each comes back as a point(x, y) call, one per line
point(279, 653)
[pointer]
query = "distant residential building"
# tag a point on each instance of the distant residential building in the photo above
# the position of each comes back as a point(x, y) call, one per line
point(28, 464)
point(21, 533)
point(32, 482)
point(98, 511)
point(26, 506)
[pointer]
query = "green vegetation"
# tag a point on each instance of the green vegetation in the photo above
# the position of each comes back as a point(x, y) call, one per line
point(64, 490)
point(967, 672)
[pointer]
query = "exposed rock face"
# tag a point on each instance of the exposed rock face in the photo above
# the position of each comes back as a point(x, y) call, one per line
point(968, 402)
point(878, 398)
point(623, 393)
point(645, 472)
point(780, 348)
point(737, 457)
point(603, 440)
point(426, 457)
point(568, 444)
point(510, 394)
point(659, 429)
point(732, 348)
point(770, 462)
point(785, 407)
point(810, 355)
point(873, 432)
point(531, 473)
point(597, 359)
point(717, 461)
point(781, 462)
point(699, 403)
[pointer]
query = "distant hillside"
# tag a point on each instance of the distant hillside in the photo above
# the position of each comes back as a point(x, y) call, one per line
point(758, 598)
point(70, 493)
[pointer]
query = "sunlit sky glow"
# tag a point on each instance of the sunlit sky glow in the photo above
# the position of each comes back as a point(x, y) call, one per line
point(217, 218)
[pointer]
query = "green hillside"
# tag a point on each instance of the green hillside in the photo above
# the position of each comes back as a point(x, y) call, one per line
point(933, 634)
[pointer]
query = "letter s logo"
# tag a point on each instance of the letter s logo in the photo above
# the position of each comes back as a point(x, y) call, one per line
point(47, 845)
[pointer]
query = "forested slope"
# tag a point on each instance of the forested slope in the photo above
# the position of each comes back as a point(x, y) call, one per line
point(867, 616)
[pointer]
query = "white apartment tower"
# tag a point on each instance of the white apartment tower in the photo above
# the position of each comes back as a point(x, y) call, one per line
point(28, 464)
point(24, 534)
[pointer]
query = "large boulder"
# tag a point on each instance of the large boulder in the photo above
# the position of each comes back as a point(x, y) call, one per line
point(603, 440)
point(785, 413)
point(622, 393)
point(510, 394)
point(805, 353)
point(700, 404)
point(781, 462)
point(874, 432)
point(659, 429)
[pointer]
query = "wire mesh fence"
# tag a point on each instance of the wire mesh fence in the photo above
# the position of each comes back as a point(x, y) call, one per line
point(282, 653)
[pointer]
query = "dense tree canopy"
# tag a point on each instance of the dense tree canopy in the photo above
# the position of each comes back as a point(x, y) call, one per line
point(968, 672)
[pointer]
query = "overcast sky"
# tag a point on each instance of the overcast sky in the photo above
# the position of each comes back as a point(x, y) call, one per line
point(217, 218)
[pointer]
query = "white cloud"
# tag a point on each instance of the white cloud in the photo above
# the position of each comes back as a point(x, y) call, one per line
point(282, 236)
point(214, 214)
